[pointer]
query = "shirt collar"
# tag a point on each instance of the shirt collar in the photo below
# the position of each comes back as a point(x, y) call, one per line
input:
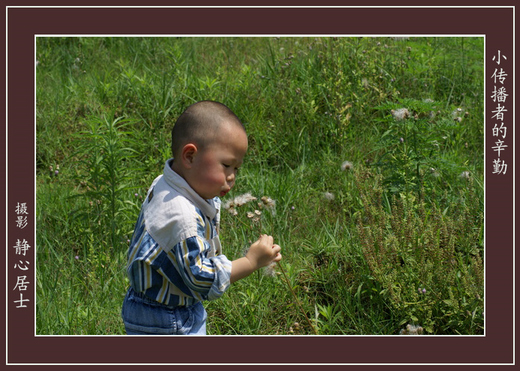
point(178, 183)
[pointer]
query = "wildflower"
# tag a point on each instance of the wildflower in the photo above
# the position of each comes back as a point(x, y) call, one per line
point(136, 194)
point(328, 196)
point(346, 165)
point(400, 114)
point(424, 291)
point(412, 330)
point(76, 257)
point(465, 175)
point(401, 140)
point(56, 172)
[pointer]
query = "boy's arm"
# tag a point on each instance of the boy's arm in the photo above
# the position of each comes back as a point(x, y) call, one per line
point(260, 254)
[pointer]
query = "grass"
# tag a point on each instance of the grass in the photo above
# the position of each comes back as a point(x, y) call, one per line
point(395, 237)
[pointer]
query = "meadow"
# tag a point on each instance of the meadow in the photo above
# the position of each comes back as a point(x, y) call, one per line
point(368, 153)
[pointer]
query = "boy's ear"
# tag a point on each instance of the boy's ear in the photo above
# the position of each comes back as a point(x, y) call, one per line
point(188, 154)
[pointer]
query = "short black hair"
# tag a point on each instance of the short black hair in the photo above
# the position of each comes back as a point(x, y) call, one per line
point(199, 124)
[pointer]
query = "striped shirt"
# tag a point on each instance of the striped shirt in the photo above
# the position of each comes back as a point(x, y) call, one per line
point(175, 254)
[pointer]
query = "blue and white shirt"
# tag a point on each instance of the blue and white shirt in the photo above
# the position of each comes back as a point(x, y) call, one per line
point(175, 255)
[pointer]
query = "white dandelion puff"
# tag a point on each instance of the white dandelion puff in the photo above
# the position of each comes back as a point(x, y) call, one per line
point(465, 175)
point(412, 330)
point(270, 270)
point(329, 196)
point(346, 165)
point(238, 201)
point(232, 211)
point(243, 199)
point(400, 114)
point(268, 202)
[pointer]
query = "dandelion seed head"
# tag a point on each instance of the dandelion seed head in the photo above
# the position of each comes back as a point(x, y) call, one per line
point(243, 199)
point(465, 175)
point(270, 270)
point(328, 196)
point(412, 330)
point(346, 165)
point(400, 114)
point(268, 202)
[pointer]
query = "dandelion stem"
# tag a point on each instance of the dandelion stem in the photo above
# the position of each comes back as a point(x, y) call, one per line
point(296, 298)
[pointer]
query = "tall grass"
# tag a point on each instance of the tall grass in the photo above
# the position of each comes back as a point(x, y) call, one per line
point(372, 149)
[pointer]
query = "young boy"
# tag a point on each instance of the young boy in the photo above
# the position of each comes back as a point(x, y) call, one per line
point(175, 260)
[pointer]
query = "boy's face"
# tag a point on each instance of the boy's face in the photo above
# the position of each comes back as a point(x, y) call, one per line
point(214, 169)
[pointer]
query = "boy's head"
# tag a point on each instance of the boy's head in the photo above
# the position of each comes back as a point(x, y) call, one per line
point(209, 143)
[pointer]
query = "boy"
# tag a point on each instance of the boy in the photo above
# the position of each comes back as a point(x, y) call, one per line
point(175, 259)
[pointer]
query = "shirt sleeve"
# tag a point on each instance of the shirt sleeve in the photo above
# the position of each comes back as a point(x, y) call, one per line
point(207, 278)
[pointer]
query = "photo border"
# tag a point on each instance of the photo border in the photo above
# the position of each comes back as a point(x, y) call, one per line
point(24, 22)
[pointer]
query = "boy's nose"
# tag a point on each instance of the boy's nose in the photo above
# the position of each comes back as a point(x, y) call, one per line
point(231, 179)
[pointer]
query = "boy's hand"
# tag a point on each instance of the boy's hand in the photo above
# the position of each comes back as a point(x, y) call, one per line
point(263, 252)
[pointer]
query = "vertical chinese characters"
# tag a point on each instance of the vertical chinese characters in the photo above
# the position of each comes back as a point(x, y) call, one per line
point(499, 131)
point(21, 248)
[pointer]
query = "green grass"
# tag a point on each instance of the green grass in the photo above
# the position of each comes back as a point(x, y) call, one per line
point(360, 245)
